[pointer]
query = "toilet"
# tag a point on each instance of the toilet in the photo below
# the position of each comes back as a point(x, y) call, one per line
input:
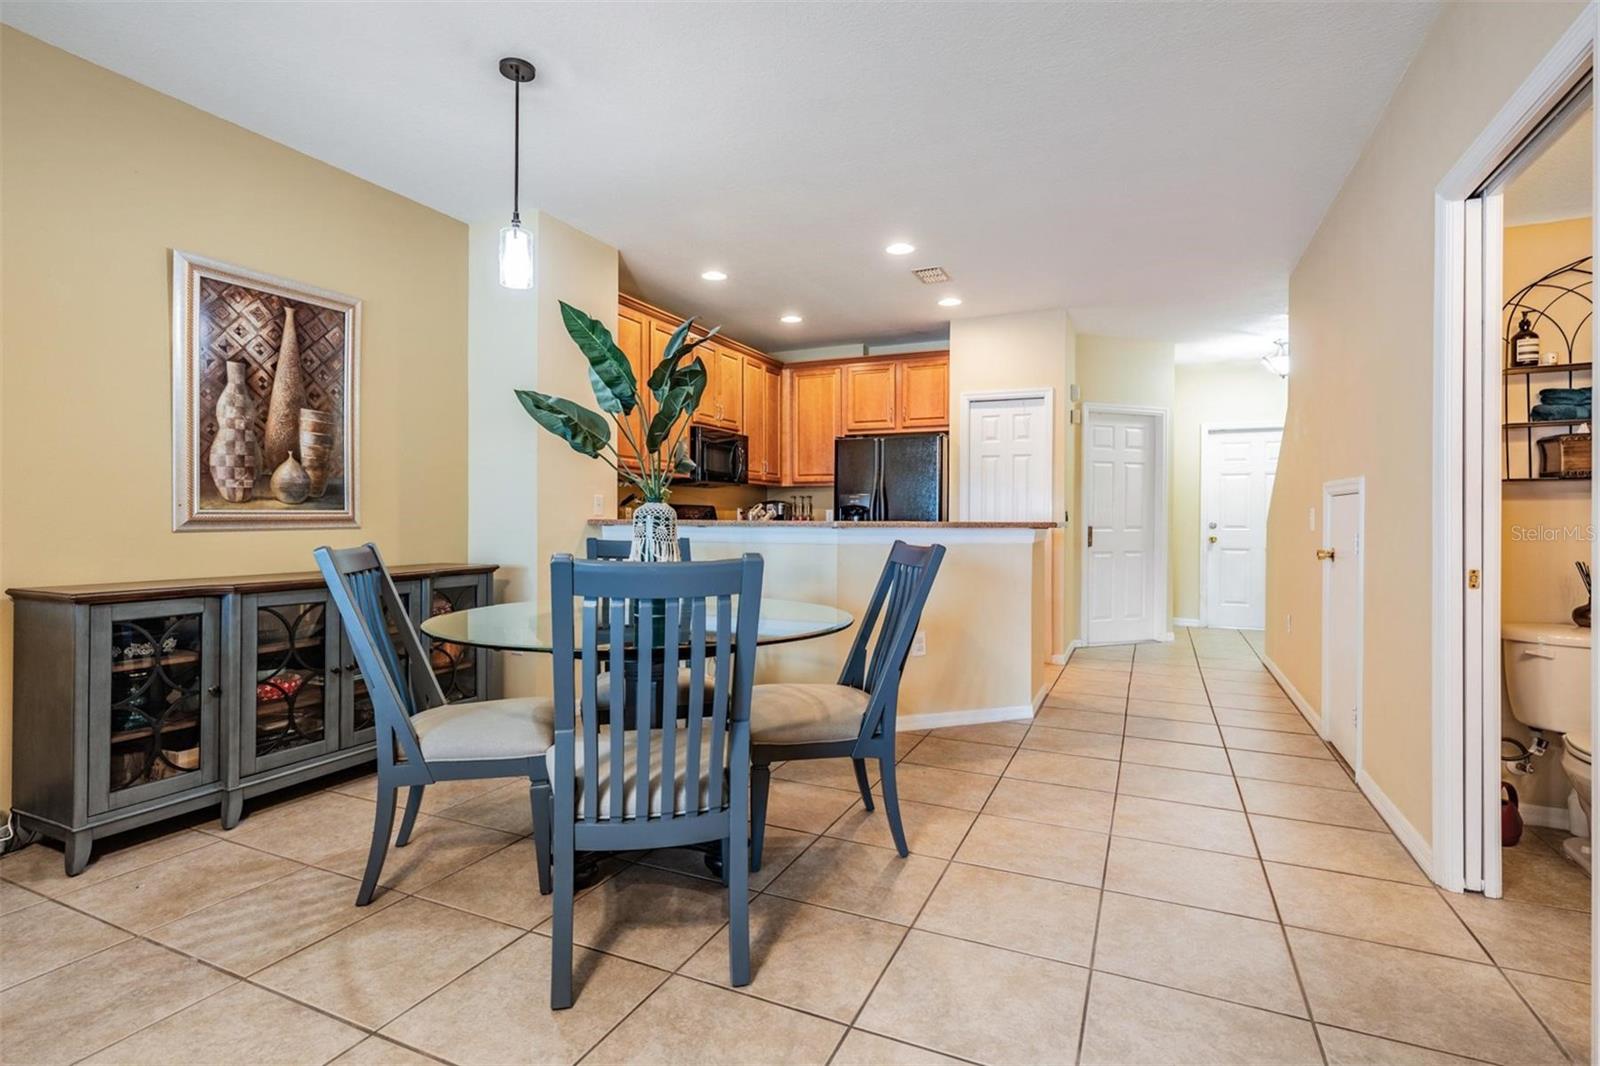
point(1547, 684)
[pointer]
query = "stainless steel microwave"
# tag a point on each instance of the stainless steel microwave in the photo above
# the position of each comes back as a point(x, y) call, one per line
point(718, 455)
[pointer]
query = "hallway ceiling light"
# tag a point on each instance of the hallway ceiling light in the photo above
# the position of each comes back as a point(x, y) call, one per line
point(516, 243)
point(950, 301)
point(791, 318)
point(714, 275)
point(900, 248)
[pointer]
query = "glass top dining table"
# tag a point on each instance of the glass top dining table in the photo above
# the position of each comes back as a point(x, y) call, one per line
point(525, 626)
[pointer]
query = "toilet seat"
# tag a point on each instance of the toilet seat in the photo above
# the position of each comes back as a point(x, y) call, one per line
point(1580, 747)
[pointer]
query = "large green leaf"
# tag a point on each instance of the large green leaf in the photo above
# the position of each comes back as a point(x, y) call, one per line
point(580, 427)
point(610, 374)
point(688, 384)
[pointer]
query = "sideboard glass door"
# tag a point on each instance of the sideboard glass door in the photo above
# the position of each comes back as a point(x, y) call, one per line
point(153, 697)
point(462, 671)
point(287, 682)
point(358, 725)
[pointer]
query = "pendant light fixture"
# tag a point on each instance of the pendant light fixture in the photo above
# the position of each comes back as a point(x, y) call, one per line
point(516, 243)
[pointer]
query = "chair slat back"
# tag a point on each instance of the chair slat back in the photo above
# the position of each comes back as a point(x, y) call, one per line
point(652, 618)
point(891, 622)
point(368, 602)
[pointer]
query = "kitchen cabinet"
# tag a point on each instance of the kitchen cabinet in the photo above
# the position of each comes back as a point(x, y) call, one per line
point(923, 395)
point(763, 420)
point(869, 397)
point(812, 421)
point(633, 337)
point(722, 405)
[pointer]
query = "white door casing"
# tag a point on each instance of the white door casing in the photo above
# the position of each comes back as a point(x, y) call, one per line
point(1124, 516)
point(1237, 468)
point(1008, 456)
point(1343, 623)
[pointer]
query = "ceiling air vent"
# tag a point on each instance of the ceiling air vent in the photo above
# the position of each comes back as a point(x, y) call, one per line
point(932, 275)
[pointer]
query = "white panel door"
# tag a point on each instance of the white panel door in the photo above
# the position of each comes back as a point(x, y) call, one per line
point(1008, 465)
point(1342, 533)
point(1238, 471)
point(1122, 454)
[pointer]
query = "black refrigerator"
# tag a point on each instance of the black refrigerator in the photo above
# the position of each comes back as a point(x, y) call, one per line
point(891, 478)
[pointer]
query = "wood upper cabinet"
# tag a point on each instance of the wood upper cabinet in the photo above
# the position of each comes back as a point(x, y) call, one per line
point(812, 419)
point(773, 398)
point(923, 397)
point(729, 381)
point(633, 337)
point(869, 397)
point(763, 457)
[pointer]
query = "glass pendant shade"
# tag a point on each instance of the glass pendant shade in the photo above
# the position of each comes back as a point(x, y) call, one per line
point(516, 257)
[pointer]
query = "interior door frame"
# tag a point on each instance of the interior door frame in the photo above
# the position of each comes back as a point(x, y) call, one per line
point(1045, 394)
point(1207, 460)
point(1162, 621)
point(1465, 852)
point(1357, 487)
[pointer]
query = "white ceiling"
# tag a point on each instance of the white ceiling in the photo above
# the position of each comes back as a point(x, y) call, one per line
point(1155, 168)
point(1558, 183)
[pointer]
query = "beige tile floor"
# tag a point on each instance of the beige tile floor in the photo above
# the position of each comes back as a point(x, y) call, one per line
point(1166, 866)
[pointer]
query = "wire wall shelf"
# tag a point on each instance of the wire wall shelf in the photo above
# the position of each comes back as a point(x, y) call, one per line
point(1559, 307)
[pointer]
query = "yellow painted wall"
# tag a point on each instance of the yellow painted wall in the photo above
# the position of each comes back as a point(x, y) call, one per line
point(1360, 394)
point(1545, 525)
point(1236, 392)
point(1018, 351)
point(99, 179)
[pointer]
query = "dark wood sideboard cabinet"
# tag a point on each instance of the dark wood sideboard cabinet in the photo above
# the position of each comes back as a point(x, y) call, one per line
point(137, 701)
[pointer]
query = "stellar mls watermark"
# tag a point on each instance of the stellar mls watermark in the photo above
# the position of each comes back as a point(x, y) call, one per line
point(1551, 534)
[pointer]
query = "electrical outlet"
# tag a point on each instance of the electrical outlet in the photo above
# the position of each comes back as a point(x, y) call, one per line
point(599, 503)
point(1311, 518)
point(919, 643)
point(1288, 623)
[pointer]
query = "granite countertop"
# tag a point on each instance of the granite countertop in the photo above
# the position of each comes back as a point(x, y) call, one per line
point(690, 522)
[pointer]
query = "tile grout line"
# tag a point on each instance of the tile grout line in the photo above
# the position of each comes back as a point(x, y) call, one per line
point(1283, 931)
point(851, 1025)
point(1105, 866)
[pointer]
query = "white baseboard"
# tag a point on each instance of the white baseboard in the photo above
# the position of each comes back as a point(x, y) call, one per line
point(1168, 637)
point(1412, 840)
point(976, 716)
point(1188, 623)
point(1545, 817)
point(1308, 712)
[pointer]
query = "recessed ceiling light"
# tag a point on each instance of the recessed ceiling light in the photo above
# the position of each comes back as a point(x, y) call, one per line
point(950, 301)
point(714, 275)
point(791, 318)
point(900, 248)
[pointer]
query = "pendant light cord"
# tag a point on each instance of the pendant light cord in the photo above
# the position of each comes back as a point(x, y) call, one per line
point(516, 152)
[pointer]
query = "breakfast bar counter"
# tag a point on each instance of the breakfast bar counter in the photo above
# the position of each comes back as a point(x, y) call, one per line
point(983, 649)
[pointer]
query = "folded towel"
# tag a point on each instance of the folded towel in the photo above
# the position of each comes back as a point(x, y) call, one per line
point(1578, 396)
point(1559, 412)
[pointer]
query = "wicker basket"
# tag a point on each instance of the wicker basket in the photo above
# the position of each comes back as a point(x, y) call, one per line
point(1566, 456)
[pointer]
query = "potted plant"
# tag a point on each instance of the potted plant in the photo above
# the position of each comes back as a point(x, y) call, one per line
point(656, 438)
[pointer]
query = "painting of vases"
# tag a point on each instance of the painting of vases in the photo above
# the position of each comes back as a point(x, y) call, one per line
point(264, 373)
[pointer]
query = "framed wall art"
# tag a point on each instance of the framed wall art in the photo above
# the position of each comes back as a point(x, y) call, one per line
point(265, 400)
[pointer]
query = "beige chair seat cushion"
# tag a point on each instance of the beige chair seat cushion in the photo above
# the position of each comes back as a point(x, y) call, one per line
point(602, 686)
point(805, 714)
point(488, 729)
point(630, 780)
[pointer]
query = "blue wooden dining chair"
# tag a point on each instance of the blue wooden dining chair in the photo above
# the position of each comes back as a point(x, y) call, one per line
point(855, 718)
point(685, 782)
point(421, 738)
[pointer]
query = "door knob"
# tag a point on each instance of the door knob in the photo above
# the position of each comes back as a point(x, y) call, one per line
point(1325, 554)
point(1212, 538)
